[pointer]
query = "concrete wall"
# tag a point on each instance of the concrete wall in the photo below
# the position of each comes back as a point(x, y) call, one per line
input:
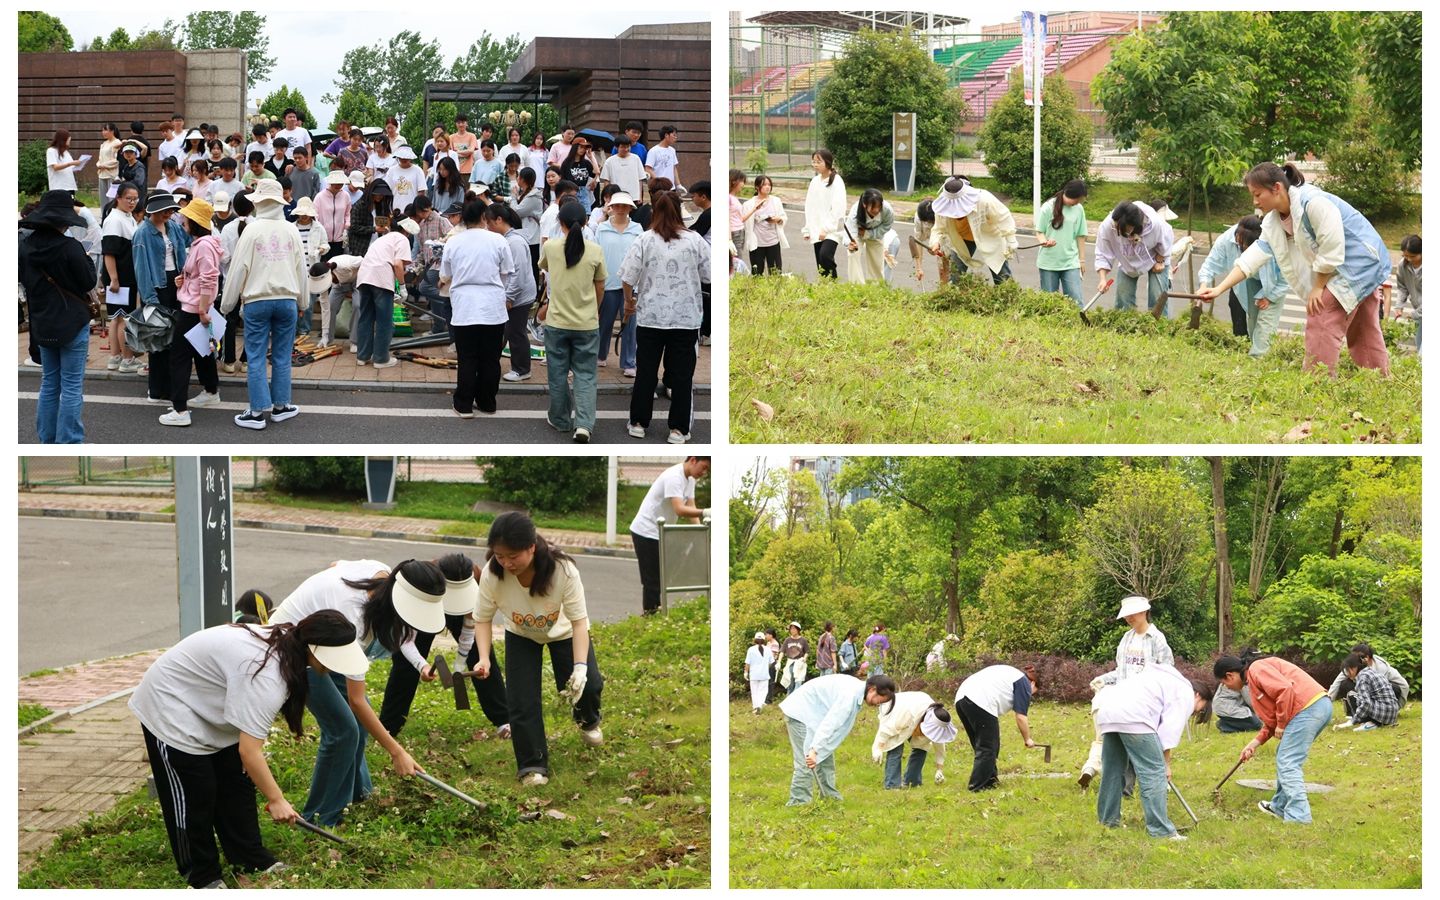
point(215, 89)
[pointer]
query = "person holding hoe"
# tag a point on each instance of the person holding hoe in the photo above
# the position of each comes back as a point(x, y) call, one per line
point(1140, 721)
point(1139, 647)
point(818, 716)
point(205, 709)
point(974, 230)
point(911, 716)
point(981, 700)
point(1290, 704)
point(383, 606)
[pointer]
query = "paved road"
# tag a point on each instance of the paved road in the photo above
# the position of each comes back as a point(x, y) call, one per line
point(92, 589)
point(117, 412)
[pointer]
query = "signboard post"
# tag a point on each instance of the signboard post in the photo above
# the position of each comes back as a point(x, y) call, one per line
point(684, 559)
point(902, 151)
point(1032, 30)
point(380, 473)
point(204, 542)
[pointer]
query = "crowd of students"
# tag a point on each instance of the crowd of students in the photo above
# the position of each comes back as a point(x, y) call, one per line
point(494, 245)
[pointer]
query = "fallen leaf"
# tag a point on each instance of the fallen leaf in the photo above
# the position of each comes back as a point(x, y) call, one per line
point(624, 800)
point(430, 883)
point(1359, 417)
point(556, 814)
point(1299, 432)
point(650, 805)
point(335, 855)
point(587, 877)
point(480, 736)
point(675, 743)
point(1230, 418)
point(242, 881)
point(1087, 386)
point(766, 411)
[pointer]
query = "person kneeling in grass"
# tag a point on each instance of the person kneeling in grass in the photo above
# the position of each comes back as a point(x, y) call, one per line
point(1291, 704)
point(1140, 721)
point(1233, 711)
point(818, 715)
point(1343, 684)
point(912, 716)
point(1372, 703)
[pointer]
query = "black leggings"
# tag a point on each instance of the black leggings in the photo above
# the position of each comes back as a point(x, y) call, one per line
point(404, 679)
point(825, 257)
point(983, 730)
point(765, 258)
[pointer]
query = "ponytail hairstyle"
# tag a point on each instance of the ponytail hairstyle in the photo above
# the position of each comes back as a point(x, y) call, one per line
point(379, 616)
point(573, 216)
point(828, 159)
point(941, 713)
point(1208, 694)
point(290, 644)
point(1268, 174)
point(1227, 664)
point(501, 212)
point(526, 177)
point(1128, 216)
point(1075, 189)
point(1247, 230)
point(862, 213)
point(257, 603)
point(456, 566)
point(516, 531)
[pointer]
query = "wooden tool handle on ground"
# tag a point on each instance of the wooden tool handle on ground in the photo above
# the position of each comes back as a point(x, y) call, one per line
point(1227, 775)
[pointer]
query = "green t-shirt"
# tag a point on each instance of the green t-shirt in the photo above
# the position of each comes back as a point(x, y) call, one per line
point(572, 288)
point(1066, 252)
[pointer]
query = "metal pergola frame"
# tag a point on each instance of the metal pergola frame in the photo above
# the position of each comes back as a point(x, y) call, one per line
point(507, 93)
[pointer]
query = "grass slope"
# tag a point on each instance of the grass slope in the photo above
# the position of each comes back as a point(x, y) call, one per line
point(1043, 833)
point(636, 810)
point(32, 712)
point(845, 363)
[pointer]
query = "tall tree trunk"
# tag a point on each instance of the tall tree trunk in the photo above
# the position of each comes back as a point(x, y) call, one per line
point(1263, 511)
point(953, 622)
point(1224, 581)
point(1336, 531)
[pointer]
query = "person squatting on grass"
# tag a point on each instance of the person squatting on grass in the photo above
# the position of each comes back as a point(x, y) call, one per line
point(1060, 225)
point(1234, 713)
point(974, 231)
point(757, 671)
point(1142, 645)
point(793, 650)
point(1372, 702)
point(1329, 253)
point(1407, 283)
point(384, 607)
point(672, 497)
point(818, 716)
point(205, 709)
point(536, 590)
point(1134, 240)
point(824, 212)
point(409, 667)
point(913, 717)
point(981, 700)
point(866, 225)
point(1290, 704)
point(1344, 683)
point(1141, 720)
point(1261, 297)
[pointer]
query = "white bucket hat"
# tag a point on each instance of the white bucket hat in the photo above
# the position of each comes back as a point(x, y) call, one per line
point(267, 191)
point(338, 176)
point(759, 635)
point(305, 207)
point(936, 730)
point(620, 198)
point(404, 152)
point(796, 625)
point(357, 178)
point(461, 596)
point(957, 199)
point(1132, 605)
point(421, 611)
point(346, 659)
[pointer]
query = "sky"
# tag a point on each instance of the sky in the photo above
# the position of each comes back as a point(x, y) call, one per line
point(308, 47)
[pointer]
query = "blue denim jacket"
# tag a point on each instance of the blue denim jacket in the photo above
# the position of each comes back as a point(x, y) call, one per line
point(148, 248)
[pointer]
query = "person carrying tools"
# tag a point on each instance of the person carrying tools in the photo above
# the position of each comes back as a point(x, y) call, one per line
point(1142, 645)
point(205, 709)
point(793, 650)
point(1291, 704)
point(1140, 721)
point(974, 230)
point(1134, 240)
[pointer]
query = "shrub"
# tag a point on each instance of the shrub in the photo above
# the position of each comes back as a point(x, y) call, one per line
point(757, 160)
point(1007, 138)
point(777, 141)
point(318, 474)
point(1025, 602)
point(547, 483)
point(1364, 172)
point(32, 167)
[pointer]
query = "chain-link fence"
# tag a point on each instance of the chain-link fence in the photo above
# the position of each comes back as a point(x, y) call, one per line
point(83, 470)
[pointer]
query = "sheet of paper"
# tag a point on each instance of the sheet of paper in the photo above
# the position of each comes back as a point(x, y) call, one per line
point(84, 158)
point(118, 298)
point(217, 326)
point(199, 338)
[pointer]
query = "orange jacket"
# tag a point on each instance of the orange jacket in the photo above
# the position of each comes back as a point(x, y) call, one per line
point(1279, 690)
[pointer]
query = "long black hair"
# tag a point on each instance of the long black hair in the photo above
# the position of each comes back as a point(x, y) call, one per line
point(862, 214)
point(255, 602)
point(1128, 215)
point(1268, 174)
point(516, 531)
point(1227, 664)
point(941, 713)
point(379, 617)
point(447, 176)
point(1075, 189)
point(884, 685)
point(1247, 230)
point(573, 217)
point(501, 212)
point(290, 644)
point(456, 566)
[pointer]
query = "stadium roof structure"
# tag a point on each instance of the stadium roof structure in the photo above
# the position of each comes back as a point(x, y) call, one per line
point(880, 20)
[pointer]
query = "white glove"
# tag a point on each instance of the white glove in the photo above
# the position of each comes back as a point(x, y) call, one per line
point(1097, 683)
point(939, 777)
point(877, 756)
point(576, 685)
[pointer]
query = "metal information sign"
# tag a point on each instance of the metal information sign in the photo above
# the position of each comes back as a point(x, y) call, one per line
point(380, 474)
point(684, 559)
point(902, 151)
point(204, 542)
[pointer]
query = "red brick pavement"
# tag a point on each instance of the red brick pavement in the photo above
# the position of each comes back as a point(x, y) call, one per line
point(77, 685)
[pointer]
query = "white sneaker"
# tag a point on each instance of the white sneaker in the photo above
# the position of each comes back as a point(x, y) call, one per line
point(1177, 836)
point(129, 366)
point(512, 375)
point(276, 868)
point(635, 431)
point(113, 363)
point(533, 779)
point(592, 737)
point(602, 363)
point(581, 436)
point(175, 418)
point(678, 437)
point(385, 365)
point(353, 348)
point(1347, 723)
point(205, 398)
point(504, 732)
point(628, 373)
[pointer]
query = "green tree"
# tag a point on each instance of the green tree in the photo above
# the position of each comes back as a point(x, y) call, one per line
point(487, 59)
point(1181, 91)
point(412, 124)
point(1362, 168)
point(1008, 138)
point(1391, 61)
point(358, 108)
point(393, 73)
point(1026, 602)
point(212, 29)
point(880, 74)
point(283, 98)
point(1293, 114)
point(43, 33)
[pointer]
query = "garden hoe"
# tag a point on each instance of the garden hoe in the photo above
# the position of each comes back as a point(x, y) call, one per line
point(1181, 797)
point(455, 792)
point(1095, 299)
point(1046, 748)
point(1159, 310)
point(316, 829)
point(1215, 794)
point(453, 680)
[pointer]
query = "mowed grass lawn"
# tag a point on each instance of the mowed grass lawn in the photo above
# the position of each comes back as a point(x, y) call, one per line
point(636, 811)
point(843, 363)
point(1043, 833)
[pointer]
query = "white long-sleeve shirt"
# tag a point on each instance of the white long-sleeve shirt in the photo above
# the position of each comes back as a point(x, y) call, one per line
point(824, 210)
point(898, 722)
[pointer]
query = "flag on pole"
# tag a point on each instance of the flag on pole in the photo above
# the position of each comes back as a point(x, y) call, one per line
point(1032, 32)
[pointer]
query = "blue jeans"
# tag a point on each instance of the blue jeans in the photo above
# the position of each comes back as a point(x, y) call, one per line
point(803, 778)
point(958, 268)
point(610, 308)
point(571, 351)
point(1291, 802)
point(374, 323)
point(303, 325)
point(1143, 752)
point(1065, 282)
point(1127, 286)
point(914, 769)
point(62, 391)
point(269, 330)
point(429, 288)
point(341, 776)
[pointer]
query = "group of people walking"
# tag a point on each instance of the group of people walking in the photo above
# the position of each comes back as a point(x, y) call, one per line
point(773, 666)
point(492, 244)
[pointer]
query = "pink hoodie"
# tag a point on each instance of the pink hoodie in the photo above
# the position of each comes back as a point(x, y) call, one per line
point(202, 275)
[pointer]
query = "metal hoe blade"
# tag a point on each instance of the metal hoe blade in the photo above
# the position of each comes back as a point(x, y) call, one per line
point(1093, 300)
point(462, 696)
point(442, 669)
point(1046, 748)
point(450, 790)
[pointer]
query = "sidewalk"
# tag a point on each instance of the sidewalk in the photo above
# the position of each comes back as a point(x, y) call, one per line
point(280, 518)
